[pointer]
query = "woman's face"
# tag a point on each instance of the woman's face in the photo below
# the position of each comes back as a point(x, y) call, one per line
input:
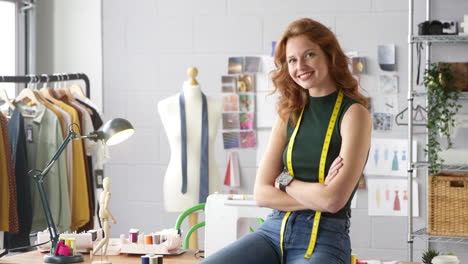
point(307, 64)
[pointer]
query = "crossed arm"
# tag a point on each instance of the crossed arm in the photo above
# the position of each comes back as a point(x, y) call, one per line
point(343, 175)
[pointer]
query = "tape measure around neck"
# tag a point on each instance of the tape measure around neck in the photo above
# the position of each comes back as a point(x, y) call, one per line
point(323, 159)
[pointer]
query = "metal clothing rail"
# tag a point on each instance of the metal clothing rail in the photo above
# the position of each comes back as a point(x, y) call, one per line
point(45, 78)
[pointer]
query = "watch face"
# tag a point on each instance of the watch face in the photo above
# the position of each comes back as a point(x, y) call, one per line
point(285, 178)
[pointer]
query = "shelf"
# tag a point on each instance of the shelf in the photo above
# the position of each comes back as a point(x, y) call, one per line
point(422, 234)
point(463, 95)
point(440, 39)
point(456, 167)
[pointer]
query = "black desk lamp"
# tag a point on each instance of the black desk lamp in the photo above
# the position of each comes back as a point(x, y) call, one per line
point(112, 132)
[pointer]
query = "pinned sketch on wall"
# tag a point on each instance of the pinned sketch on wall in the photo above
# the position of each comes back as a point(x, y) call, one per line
point(388, 84)
point(235, 65)
point(238, 90)
point(228, 83)
point(389, 157)
point(386, 57)
point(390, 197)
point(385, 104)
point(358, 64)
point(266, 108)
point(230, 102)
point(382, 121)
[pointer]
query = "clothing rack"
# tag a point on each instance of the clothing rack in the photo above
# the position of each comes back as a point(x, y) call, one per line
point(46, 78)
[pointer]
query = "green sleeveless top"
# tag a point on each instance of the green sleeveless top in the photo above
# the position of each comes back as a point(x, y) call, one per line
point(309, 141)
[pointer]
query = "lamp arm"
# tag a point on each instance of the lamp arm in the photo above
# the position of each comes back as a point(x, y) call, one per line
point(71, 135)
point(39, 179)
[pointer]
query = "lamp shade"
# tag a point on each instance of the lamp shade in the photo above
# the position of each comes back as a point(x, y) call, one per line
point(115, 131)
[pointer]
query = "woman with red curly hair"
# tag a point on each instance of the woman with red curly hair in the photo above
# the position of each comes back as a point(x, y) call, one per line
point(315, 156)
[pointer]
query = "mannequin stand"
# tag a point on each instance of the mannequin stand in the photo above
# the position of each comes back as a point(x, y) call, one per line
point(193, 241)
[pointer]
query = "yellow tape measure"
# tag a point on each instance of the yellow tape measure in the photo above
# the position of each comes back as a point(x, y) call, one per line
point(323, 159)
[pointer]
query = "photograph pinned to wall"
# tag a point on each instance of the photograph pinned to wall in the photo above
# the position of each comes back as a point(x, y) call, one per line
point(231, 121)
point(231, 140)
point(266, 108)
point(358, 65)
point(252, 64)
point(228, 83)
point(230, 102)
point(386, 57)
point(385, 104)
point(388, 84)
point(245, 83)
point(389, 157)
point(248, 139)
point(390, 197)
point(246, 121)
point(235, 65)
point(246, 103)
point(382, 121)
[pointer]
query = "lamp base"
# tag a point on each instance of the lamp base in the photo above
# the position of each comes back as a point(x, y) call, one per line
point(63, 259)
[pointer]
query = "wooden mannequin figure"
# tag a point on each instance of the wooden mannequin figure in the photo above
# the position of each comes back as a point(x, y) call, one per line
point(105, 215)
point(181, 191)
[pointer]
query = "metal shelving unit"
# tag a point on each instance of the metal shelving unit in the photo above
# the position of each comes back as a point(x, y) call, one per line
point(422, 234)
point(427, 41)
point(440, 39)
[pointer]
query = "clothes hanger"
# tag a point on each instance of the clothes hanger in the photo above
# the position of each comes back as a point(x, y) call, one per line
point(27, 95)
point(76, 89)
point(419, 116)
point(71, 98)
point(4, 97)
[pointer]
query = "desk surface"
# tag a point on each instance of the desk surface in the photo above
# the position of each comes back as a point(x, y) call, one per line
point(35, 257)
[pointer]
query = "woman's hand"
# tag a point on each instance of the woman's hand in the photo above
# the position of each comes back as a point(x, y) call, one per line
point(334, 168)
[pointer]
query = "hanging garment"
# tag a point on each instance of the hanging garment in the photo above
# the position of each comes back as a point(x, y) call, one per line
point(232, 176)
point(80, 201)
point(43, 139)
point(89, 147)
point(23, 182)
point(204, 169)
point(4, 188)
point(13, 209)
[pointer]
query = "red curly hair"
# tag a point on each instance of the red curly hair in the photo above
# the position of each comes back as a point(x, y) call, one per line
point(293, 97)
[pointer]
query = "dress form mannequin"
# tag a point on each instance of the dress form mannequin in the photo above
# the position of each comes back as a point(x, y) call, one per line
point(169, 111)
point(105, 216)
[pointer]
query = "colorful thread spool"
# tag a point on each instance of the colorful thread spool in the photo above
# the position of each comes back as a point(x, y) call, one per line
point(156, 239)
point(156, 259)
point(133, 233)
point(73, 245)
point(149, 239)
point(145, 259)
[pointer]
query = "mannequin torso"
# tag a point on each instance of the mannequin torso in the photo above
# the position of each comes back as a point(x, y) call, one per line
point(169, 111)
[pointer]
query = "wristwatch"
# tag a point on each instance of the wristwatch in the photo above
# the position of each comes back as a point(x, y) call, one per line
point(284, 179)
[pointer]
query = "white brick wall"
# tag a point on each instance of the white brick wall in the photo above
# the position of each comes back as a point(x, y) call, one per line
point(148, 45)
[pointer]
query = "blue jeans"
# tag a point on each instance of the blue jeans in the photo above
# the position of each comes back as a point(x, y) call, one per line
point(263, 246)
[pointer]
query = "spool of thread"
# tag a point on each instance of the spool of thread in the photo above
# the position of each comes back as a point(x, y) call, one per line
point(353, 259)
point(133, 237)
point(145, 259)
point(149, 239)
point(156, 259)
point(67, 241)
point(157, 239)
point(73, 245)
point(140, 238)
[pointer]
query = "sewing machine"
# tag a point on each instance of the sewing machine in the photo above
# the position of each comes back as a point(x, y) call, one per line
point(222, 215)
